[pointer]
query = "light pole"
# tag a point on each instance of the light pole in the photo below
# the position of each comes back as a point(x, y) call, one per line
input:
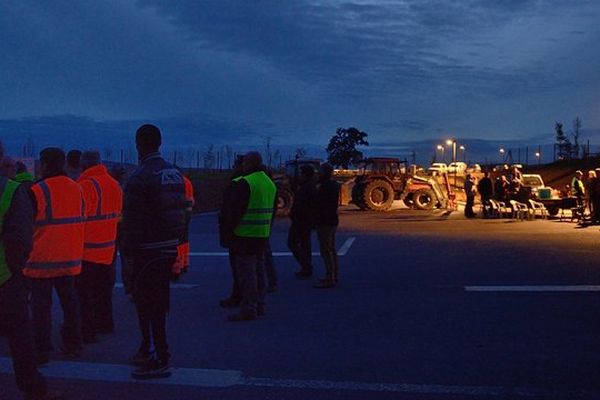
point(463, 149)
point(452, 142)
point(501, 154)
point(538, 155)
point(441, 148)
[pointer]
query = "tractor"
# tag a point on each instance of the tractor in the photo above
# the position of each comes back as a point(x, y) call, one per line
point(383, 180)
point(287, 183)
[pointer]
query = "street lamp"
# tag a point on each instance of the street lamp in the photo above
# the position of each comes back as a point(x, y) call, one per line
point(463, 149)
point(538, 155)
point(452, 142)
point(501, 154)
point(441, 148)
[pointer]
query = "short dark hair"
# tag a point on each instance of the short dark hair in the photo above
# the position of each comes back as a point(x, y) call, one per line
point(54, 158)
point(74, 158)
point(148, 136)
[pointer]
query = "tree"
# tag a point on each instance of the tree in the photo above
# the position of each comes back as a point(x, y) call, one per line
point(576, 130)
point(300, 152)
point(563, 144)
point(228, 150)
point(209, 157)
point(341, 150)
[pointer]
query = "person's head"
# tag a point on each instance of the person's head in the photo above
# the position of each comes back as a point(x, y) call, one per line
point(90, 159)
point(20, 167)
point(307, 172)
point(52, 161)
point(326, 171)
point(578, 174)
point(147, 139)
point(591, 174)
point(8, 168)
point(74, 159)
point(252, 162)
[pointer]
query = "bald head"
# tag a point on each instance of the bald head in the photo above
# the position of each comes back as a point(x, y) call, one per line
point(90, 159)
point(252, 162)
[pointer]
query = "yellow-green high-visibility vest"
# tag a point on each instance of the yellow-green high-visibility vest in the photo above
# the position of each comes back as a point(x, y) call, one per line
point(5, 201)
point(256, 222)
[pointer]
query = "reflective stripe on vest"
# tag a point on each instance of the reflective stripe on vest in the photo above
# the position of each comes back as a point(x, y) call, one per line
point(256, 221)
point(101, 223)
point(58, 229)
point(5, 201)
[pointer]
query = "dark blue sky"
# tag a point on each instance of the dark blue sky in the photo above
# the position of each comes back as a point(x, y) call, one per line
point(234, 72)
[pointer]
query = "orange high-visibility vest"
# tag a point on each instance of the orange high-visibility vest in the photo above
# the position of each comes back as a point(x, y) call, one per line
point(58, 229)
point(103, 205)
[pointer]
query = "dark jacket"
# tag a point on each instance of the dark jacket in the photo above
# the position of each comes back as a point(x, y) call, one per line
point(485, 187)
point(153, 207)
point(328, 198)
point(303, 212)
point(235, 203)
point(17, 229)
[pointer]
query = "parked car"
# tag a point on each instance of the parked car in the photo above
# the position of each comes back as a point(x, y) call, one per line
point(457, 167)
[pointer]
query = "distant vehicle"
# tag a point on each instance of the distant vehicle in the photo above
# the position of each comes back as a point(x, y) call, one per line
point(474, 168)
point(286, 184)
point(437, 168)
point(457, 167)
point(533, 181)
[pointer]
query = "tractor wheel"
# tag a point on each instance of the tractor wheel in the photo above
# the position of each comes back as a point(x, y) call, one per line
point(408, 200)
point(357, 196)
point(424, 199)
point(378, 195)
point(285, 200)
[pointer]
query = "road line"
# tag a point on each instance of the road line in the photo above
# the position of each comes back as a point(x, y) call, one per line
point(536, 288)
point(341, 252)
point(193, 377)
point(173, 285)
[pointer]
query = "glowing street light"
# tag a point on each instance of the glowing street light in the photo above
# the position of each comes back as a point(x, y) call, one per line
point(441, 148)
point(463, 149)
point(452, 142)
point(538, 155)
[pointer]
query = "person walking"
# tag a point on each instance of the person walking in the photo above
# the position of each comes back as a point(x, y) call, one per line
point(470, 191)
point(302, 216)
point(152, 228)
point(328, 198)
point(16, 240)
point(246, 227)
point(104, 202)
point(57, 252)
point(485, 187)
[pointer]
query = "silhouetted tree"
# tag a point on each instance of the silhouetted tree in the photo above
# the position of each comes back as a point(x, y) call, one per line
point(563, 144)
point(300, 152)
point(341, 150)
point(576, 130)
point(209, 157)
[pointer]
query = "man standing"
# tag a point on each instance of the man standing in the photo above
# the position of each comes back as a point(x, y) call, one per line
point(302, 216)
point(470, 193)
point(57, 253)
point(577, 188)
point(153, 226)
point(485, 187)
point(328, 198)
point(103, 203)
point(245, 229)
point(16, 237)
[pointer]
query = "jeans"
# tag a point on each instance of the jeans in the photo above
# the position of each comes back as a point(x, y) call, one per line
point(41, 304)
point(326, 235)
point(252, 279)
point(16, 327)
point(95, 287)
point(299, 244)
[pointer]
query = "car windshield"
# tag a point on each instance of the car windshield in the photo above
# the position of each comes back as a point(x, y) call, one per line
point(531, 181)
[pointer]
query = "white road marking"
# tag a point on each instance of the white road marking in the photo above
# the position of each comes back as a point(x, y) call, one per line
point(193, 377)
point(536, 288)
point(173, 285)
point(341, 252)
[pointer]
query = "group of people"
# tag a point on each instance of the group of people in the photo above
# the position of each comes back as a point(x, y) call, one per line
point(245, 224)
point(507, 185)
point(587, 193)
point(60, 234)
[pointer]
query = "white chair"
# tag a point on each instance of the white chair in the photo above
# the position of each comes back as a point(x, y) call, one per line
point(537, 207)
point(519, 210)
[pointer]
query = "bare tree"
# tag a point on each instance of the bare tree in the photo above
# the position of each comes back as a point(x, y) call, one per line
point(229, 154)
point(576, 131)
point(300, 152)
point(209, 157)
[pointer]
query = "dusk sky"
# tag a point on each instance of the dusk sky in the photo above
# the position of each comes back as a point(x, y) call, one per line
point(234, 72)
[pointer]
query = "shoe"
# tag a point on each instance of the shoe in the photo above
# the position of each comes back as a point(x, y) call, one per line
point(272, 289)
point(140, 358)
point(153, 369)
point(47, 396)
point(303, 274)
point(230, 302)
point(242, 316)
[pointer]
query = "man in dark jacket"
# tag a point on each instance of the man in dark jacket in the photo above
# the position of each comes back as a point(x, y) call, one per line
point(302, 216)
point(152, 228)
point(245, 228)
point(16, 240)
point(485, 187)
point(328, 195)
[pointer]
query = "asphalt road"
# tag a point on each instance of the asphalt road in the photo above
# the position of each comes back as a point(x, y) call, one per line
point(429, 306)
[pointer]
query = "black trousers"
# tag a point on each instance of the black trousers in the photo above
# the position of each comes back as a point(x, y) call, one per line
point(326, 235)
point(151, 293)
point(270, 266)
point(299, 244)
point(250, 269)
point(469, 207)
point(41, 306)
point(16, 327)
point(236, 292)
point(95, 289)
